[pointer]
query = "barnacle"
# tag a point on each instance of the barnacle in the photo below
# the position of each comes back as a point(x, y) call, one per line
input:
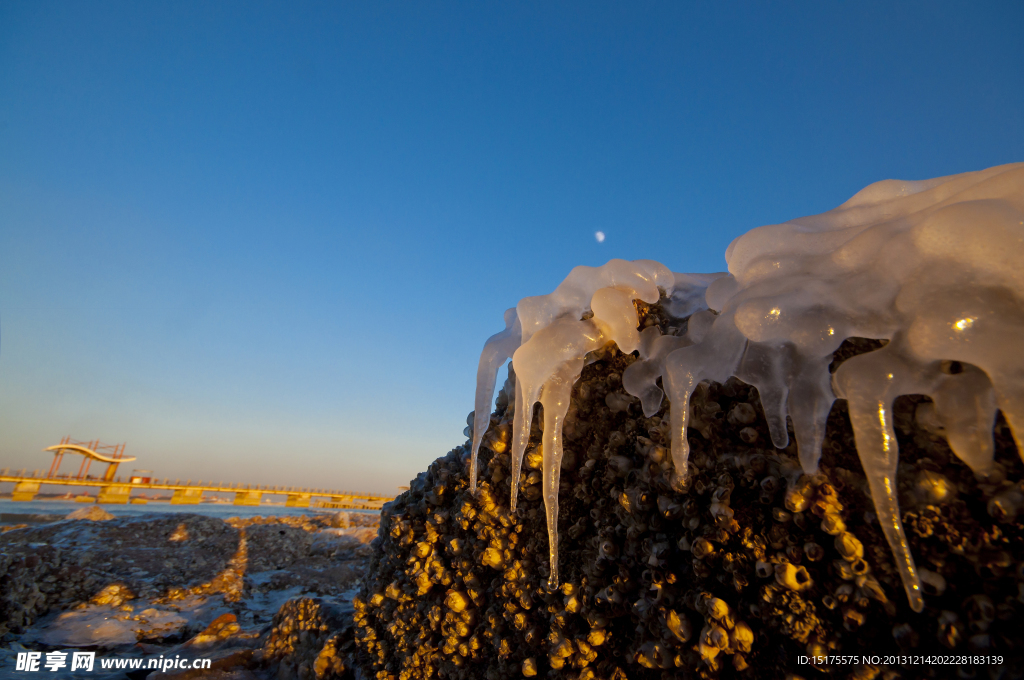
point(849, 547)
point(792, 577)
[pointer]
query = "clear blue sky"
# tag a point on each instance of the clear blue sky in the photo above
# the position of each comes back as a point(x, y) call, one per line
point(265, 242)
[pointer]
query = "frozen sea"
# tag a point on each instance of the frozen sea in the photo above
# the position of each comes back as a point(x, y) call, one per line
point(222, 510)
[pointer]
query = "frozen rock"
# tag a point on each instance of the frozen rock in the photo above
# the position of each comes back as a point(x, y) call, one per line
point(93, 628)
point(932, 267)
point(107, 626)
point(341, 520)
point(93, 512)
point(361, 535)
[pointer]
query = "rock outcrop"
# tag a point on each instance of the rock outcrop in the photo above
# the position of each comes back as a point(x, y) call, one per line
point(750, 567)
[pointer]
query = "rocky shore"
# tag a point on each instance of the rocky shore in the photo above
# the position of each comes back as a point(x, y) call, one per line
point(260, 597)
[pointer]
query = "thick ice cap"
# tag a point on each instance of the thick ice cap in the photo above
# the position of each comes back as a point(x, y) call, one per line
point(640, 278)
point(931, 266)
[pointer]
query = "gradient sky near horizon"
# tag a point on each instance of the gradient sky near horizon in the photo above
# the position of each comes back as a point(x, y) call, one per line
point(265, 242)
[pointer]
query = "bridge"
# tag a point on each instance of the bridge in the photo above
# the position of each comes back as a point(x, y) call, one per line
point(112, 489)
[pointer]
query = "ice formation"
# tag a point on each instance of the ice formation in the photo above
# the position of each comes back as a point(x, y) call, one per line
point(932, 266)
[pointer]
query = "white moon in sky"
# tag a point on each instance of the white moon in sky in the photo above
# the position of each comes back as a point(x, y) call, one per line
point(599, 236)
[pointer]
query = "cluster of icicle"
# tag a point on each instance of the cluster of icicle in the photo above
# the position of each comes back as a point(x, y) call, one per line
point(934, 267)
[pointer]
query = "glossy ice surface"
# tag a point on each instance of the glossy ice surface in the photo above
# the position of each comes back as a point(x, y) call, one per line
point(935, 267)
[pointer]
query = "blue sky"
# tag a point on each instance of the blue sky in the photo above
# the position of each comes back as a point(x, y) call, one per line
point(264, 242)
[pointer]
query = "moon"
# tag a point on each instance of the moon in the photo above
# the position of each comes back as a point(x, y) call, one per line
point(599, 236)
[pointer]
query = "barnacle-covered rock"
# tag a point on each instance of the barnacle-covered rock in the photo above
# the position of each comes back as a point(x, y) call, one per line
point(750, 565)
point(307, 641)
point(143, 570)
point(65, 564)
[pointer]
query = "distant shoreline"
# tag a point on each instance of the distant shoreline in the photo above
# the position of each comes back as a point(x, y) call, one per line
point(53, 509)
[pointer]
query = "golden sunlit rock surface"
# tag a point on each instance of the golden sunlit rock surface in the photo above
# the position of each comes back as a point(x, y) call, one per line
point(749, 567)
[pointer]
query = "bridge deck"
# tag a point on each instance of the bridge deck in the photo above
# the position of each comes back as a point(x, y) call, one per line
point(189, 492)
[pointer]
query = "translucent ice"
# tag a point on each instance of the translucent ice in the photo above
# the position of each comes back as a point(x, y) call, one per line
point(561, 335)
point(497, 350)
point(555, 399)
point(932, 266)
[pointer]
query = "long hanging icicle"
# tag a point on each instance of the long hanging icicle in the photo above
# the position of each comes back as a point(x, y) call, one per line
point(866, 381)
point(551, 347)
point(497, 350)
point(715, 358)
point(555, 400)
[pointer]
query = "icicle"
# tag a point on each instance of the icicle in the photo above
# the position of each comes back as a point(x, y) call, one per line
point(497, 350)
point(980, 325)
point(640, 378)
point(555, 400)
point(965, 405)
point(680, 385)
point(876, 445)
point(521, 422)
point(868, 382)
point(687, 300)
point(535, 362)
point(810, 401)
point(716, 358)
point(767, 367)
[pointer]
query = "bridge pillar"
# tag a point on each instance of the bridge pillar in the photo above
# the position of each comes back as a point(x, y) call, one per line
point(297, 500)
point(248, 497)
point(115, 495)
point(188, 496)
point(111, 471)
point(25, 491)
